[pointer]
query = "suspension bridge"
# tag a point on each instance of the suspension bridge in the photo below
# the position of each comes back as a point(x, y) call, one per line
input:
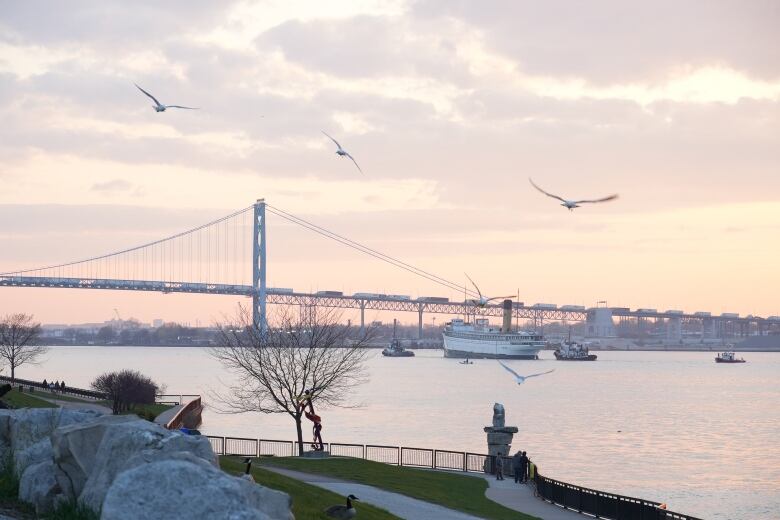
point(228, 256)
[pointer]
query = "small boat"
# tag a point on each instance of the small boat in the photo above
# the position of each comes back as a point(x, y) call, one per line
point(728, 357)
point(395, 349)
point(569, 351)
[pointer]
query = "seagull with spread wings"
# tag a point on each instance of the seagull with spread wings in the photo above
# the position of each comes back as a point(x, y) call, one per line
point(571, 204)
point(483, 300)
point(159, 107)
point(521, 379)
point(342, 152)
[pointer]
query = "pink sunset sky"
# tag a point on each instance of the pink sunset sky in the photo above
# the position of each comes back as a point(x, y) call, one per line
point(448, 106)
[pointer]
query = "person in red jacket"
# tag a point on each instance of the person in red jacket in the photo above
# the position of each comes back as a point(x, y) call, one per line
point(316, 428)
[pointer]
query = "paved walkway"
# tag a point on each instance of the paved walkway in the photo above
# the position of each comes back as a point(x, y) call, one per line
point(165, 417)
point(399, 505)
point(521, 498)
point(74, 405)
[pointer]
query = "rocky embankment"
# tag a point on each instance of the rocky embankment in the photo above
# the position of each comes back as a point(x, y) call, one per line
point(125, 468)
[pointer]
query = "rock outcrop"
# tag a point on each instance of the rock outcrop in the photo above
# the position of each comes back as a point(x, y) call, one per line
point(202, 491)
point(125, 467)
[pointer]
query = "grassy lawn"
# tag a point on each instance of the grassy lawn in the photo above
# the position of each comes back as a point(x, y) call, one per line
point(18, 399)
point(147, 411)
point(308, 501)
point(459, 492)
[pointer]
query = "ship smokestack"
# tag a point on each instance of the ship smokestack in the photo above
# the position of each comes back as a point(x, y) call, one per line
point(507, 327)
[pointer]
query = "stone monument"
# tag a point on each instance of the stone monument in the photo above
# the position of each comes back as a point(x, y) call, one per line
point(499, 436)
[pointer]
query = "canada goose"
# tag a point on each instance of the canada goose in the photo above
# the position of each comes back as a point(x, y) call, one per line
point(344, 512)
point(247, 475)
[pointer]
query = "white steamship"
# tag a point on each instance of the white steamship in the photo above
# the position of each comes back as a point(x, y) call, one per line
point(480, 340)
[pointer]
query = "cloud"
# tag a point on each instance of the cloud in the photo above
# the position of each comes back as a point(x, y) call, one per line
point(113, 187)
point(612, 41)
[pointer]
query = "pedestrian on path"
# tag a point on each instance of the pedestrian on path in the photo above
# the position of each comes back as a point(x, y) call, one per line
point(517, 466)
point(523, 468)
point(499, 466)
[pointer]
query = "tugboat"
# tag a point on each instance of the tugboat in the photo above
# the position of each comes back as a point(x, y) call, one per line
point(395, 349)
point(728, 357)
point(569, 351)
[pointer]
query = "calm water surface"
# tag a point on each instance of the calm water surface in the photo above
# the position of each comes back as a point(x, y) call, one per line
point(666, 426)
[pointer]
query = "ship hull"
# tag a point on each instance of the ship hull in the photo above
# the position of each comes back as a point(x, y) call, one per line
point(475, 349)
point(721, 360)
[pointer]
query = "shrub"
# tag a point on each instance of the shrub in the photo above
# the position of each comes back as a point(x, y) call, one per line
point(126, 389)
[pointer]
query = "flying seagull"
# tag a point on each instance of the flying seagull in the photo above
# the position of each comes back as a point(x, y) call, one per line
point(521, 379)
point(483, 300)
point(571, 204)
point(159, 107)
point(342, 152)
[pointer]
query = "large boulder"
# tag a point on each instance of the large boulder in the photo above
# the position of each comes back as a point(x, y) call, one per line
point(193, 488)
point(39, 452)
point(39, 487)
point(123, 441)
point(30, 429)
point(29, 425)
point(75, 447)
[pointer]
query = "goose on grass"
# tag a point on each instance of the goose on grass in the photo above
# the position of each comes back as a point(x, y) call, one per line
point(343, 512)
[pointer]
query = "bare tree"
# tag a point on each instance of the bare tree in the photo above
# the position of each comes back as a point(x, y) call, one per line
point(275, 368)
point(18, 341)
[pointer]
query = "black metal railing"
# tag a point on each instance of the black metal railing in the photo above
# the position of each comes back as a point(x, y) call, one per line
point(68, 390)
point(600, 504)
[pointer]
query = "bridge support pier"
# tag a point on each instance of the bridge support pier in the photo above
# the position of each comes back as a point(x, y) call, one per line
point(362, 316)
point(674, 329)
point(420, 322)
point(259, 317)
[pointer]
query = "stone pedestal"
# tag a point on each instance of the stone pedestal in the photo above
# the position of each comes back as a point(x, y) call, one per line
point(499, 437)
point(316, 454)
point(499, 441)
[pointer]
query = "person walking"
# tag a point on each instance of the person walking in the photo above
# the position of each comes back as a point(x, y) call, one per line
point(499, 466)
point(517, 466)
point(523, 468)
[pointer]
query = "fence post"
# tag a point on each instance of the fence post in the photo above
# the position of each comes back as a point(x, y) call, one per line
point(465, 463)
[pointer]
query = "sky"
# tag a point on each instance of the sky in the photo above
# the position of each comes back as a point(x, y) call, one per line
point(449, 107)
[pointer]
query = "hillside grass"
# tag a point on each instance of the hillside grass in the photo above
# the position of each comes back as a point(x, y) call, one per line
point(459, 492)
point(145, 411)
point(17, 399)
point(309, 502)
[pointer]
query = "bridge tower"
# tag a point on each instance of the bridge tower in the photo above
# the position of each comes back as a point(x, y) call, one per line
point(259, 318)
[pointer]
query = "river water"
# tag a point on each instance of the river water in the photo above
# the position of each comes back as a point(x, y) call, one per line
point(669, 426)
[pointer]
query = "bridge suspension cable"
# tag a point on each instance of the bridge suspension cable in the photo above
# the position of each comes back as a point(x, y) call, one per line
point(367, 250)
point(215, 252)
